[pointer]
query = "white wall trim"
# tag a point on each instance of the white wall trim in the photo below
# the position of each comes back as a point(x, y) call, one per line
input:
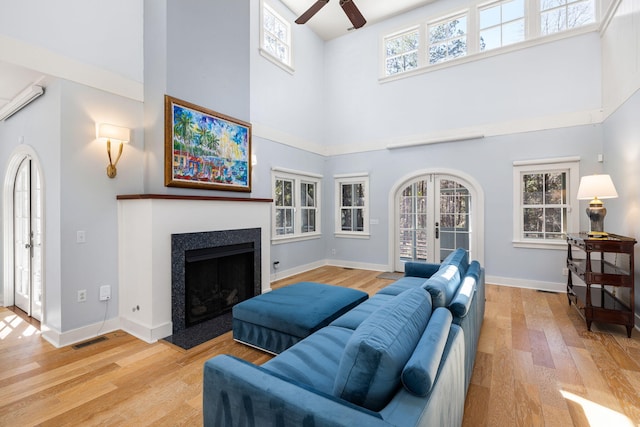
point(283, 274)
point(45, 61)
point(500, 128)
point(146, 333)
point(61, 339)
point(526, 284)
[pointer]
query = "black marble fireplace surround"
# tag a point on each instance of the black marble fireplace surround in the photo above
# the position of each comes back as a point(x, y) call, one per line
point(229, 264)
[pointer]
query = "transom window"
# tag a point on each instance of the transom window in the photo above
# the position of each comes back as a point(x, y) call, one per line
point(402, 52)
point(275, 36)
point(447, 39)
point(479, 29)
point(545, 194)
point(296, 209)
point(561, 15)
point(501, 24)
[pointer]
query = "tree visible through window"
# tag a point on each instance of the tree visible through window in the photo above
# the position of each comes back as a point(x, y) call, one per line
point(544, 205)
point(284, 207)
point(402, 52)
point(447, 39)
point(561, 15)
point(276, 35)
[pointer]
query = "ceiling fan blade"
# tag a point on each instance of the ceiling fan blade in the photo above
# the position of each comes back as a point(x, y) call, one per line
point(353, 13)
point(319, 4)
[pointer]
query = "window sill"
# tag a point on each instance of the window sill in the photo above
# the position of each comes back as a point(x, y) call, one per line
point(360, 235)
point(531, 244)
point(268, 56)
point(295, 238)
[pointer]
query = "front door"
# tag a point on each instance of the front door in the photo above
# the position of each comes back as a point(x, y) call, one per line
point(433, 215)
point(27, 232)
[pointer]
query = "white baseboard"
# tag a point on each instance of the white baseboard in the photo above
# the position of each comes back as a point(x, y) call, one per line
point(283, 274)
point(62, 339)
point(145, 333)
point(527, 284)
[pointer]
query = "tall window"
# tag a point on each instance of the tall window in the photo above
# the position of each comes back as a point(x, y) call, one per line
point(284, 201)
point(276, 36)
point(447, 39)
point(546, 193)
point(561, 15)
point(352, 197)
point(501, 24)
point(401, 52)
point(296, 211)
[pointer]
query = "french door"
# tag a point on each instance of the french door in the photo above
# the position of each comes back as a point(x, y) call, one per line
point(27, 233)
point(433, 218)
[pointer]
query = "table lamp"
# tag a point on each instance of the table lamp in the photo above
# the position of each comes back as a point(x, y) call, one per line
point(595, 188)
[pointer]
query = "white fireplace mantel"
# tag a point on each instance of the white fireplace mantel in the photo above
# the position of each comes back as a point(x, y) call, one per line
point(145, 225)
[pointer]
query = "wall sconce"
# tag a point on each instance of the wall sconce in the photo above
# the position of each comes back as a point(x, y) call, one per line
point(118, 134)
point(596, 187)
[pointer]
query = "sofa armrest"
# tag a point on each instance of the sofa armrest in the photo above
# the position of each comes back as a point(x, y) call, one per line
point(420, 269)
point(238, 393)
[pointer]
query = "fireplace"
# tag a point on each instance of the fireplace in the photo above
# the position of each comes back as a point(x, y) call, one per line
point(210, 273)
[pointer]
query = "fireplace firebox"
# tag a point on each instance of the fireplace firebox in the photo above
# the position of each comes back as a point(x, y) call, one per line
point(211, 272)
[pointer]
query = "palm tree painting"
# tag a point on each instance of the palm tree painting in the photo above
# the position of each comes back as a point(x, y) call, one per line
point(205, 149)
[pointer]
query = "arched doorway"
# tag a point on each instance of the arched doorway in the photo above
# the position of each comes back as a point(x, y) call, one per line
point(436, 212)
point(23, 224)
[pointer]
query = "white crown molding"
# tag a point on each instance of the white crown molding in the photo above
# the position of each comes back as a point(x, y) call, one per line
point(45, 61)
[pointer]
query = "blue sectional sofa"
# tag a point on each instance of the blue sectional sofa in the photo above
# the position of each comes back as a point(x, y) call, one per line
point(403, 357)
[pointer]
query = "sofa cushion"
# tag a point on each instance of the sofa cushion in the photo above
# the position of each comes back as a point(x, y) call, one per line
point(420, 372)
point(354, 317)
point(314, 360)
point(370, 367)
point(401, 285)
point(444, 283)
point(462, 300)
point(458, 258)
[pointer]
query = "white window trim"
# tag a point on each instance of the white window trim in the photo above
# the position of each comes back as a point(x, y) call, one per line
point(297, 177)
point(265, 53)
point(573, 218)
point(532, 38)
point(353, 178)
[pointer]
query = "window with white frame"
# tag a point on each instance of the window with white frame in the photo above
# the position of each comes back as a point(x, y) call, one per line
point(352, 201)
point(401, 51)
point(545, 207)
point(296, 208)
point(447, 39)
point(501, 23)
point(481, 29)
point(561, 15)
point(276, 36)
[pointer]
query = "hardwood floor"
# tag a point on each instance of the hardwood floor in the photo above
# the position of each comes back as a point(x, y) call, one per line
point(536, 365)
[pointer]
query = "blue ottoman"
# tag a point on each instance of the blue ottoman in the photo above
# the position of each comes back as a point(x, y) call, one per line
point(276, 320)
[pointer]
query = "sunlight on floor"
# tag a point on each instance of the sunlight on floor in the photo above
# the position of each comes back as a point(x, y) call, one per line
point(11, 322)
point(598, 415)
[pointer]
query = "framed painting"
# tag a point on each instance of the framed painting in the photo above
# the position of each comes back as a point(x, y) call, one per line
point(205, 149)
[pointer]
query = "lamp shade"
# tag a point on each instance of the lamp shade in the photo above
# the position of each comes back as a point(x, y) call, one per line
point(600, 186)
point(114, 133)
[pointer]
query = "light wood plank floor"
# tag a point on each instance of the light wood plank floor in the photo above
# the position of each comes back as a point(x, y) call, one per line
point(536, 365)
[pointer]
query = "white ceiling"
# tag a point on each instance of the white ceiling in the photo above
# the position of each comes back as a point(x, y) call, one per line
point(331, 22)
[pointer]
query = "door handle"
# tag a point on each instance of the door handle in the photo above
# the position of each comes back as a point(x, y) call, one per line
point(28, 246)
point(437, 230)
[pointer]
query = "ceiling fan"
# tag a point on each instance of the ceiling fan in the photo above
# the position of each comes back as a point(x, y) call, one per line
point(349, 7)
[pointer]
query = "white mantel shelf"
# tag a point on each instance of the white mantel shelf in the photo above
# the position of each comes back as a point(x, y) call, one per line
point(145, 225)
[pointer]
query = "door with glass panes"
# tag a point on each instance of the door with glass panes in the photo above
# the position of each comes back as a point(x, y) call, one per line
point(27, 232)
point(433, 218)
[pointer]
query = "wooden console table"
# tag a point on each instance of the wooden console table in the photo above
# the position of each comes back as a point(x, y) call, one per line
point(598, 303)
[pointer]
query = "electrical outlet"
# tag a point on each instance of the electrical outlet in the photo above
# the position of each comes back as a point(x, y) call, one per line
point(82, 295)
point(276, 264)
